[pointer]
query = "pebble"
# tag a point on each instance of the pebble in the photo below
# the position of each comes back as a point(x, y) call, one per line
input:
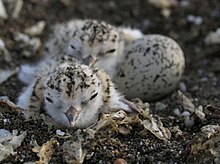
point(36, 29)
point(120, 161)
point(4, 133)
point(3, 13)
point(60, 133)
point(213, 37)
point(197, 20)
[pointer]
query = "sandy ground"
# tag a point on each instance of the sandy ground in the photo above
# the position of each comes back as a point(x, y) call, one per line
point(200, 82)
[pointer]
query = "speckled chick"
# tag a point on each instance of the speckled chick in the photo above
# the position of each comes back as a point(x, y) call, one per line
point(91, 41)
point(71, 93)
point(152, 67)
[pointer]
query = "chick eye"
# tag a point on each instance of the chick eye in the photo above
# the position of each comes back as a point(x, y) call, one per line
point(110, 51)
point(49, 100)
point(73, 47)
point(93, 96)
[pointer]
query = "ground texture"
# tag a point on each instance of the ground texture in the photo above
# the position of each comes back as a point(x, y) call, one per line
point(200, 82)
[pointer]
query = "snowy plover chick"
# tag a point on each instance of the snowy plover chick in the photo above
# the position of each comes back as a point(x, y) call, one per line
point(71, 93)
point(91, 41)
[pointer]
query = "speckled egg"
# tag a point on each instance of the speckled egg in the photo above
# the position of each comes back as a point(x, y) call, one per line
point(152, 68)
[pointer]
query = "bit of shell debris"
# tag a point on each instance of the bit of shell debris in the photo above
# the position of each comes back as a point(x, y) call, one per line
point(60, 133)
point(4, 51)
point(213, 37)
point(199, 112)
point(13, 8)
point(206, 142)
point(73, 152)
point(185, 102)
point(210, 130)
point(189, 109)
point(17, 8)
point(9, 142)
point(155, 126)
point(6, 101)
point(45, 152)
point(189, 121)
point(36, 29)
point(2, 44)
point(3, 13)
point(30, 45)
point(163, 4)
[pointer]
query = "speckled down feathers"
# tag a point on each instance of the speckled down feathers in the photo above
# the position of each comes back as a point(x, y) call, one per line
point(63, 85)
point(87, 41)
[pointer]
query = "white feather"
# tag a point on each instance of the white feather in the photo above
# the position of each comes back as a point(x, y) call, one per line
point(27, 73)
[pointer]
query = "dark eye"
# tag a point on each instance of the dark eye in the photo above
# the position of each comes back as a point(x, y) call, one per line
point(49, 100)
point(93, 96)
point(73, 47)
point(110, 51)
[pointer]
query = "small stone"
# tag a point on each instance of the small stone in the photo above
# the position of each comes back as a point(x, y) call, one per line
point(4, 133)
point(17, 8)
point(197, 20)
point(65, 2)
point(213, 37)
point(3, 13)
point(36, 29)
point(160, 106)
point(184, 3)
point(182, 87)
point(60, 133)
point(120, 161)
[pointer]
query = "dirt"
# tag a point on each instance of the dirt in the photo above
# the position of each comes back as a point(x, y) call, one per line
point(201, 78)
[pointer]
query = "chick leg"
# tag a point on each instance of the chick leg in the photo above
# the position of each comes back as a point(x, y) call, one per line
point(131, 105)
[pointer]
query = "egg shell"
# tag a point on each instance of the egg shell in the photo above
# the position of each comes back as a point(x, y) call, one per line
point(152, 68)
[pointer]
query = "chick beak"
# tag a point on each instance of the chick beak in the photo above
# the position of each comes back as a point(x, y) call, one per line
point(72, 114)
point(90, 60)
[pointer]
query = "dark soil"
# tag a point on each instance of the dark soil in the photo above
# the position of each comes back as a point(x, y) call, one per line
point(201, 77)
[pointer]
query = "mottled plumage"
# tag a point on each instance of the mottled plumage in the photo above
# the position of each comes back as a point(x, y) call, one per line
point(73, 94)
point(90, 41)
